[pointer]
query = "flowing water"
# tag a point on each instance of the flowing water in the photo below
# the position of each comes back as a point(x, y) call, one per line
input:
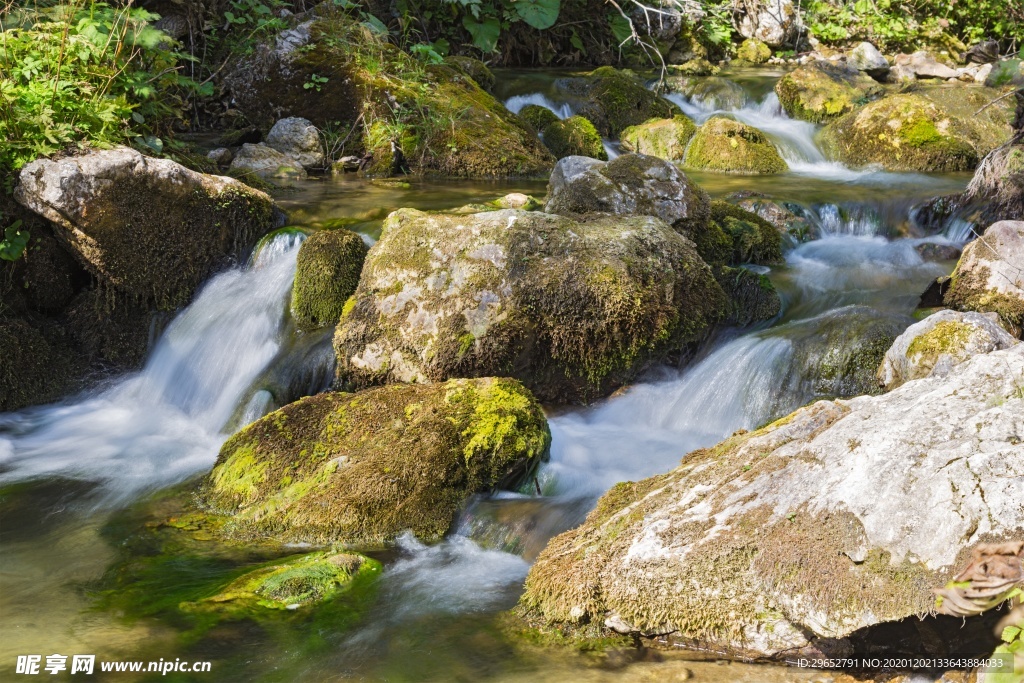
point(74, 475)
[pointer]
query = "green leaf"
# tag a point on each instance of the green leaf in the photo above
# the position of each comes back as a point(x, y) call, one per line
point(577, 42)
point(374, 24)
point(620, 27)
point(540, 14)
point(12, 246)
point(485, 33)
point(1010, 632)
point(138, 118)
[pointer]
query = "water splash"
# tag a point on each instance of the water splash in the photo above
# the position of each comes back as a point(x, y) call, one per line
point(516, 103)
point(163, 424)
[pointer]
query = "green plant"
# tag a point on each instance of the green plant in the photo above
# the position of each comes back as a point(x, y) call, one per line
point(315, 82)
point(12, 246)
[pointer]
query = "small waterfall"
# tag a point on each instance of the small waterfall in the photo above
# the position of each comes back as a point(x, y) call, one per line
point(856, 221)
point(516, 103)
point(959, 230)
point(163, 424)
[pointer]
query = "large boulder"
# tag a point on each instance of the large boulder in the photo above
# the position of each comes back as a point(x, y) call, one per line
point(326, 275)
point(148, 228)
point(821, 91)
point(989, 278)
point(727, 146)
point(573, 309)
point(774, 22)
point(575, 136)
point(631, 184)
point(786, 540)
point(939, 343)
point(473, 68)
point(662, 138)
point(360, 469)
point(615, 100)
point(710, 92)
point(299, 139)
point(537, 117)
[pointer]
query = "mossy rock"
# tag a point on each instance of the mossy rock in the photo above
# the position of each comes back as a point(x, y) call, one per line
point(727, 146)
point(906, 132)
point(989, 123)
point(291, 584)
point(821, 91)
point(326, 274)
point(988, 277)
point(694, 67)
point(711, 92)
point(753, 296)
point(662, 138)
point(616, 100)
point(572, 308)
point(575, 136)
point(359, 469)
point(473, 68)
point(753, 51)
point(752, 238)
point(537, 117)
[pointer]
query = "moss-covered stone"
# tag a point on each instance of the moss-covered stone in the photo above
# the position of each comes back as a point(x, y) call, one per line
point(710, 92)
point(694, 67)
point(821, 91)
point(361, 468)
point(752, 238)
point(617, 99)
point(473, 68)
point(728, 146)
point(537, 117)
point(574, 136)
point(753, 296)
point(988, 277)
point(662, 138)
point(326, 274)
point(572, 308)
point(753, 51)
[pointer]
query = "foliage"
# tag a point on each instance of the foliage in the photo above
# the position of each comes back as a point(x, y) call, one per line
point(12, 246)
point(86, 71)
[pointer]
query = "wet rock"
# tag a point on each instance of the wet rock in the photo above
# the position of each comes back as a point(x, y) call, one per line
point(785, 220)
point(822, 91)
point(938, 252)
point(264, 161)
point(866, 57)
point(933, 296)
point(694, 67)
point(662, 138)
point(925, 65)
point(790, 538)
point(616, 100)
point(631, 184)
point(148, 228)
point(774, 22)
point(989, 278)
point(299, 139)
point(753, 296)
point(753, 51)
point(360, 469)
point(940, 342)
point(537, 117)
point(473, 68)
point(326, 274)
point(575, 136)
point(748, 237)
point(711, 92)
point(984, 52)
point(573, 309)
point(221, 156)
point(728, 146)
point(37, 365)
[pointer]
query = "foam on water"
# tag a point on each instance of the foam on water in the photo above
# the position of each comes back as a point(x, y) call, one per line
point(516, 103)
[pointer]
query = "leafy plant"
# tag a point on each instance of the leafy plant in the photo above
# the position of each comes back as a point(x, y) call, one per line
point(12, 246)
point(315, 82)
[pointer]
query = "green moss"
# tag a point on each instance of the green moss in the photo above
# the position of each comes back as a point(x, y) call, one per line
point(537, 117)
point(752, 239)
point(753, 296)
point(361, 468)
point(473, 68)
point(618, 100)
point(753, 51)
point(946, 338)
point(326, 275)
point(969, 292)
point(662, 138)
point(729, 146)
point(574, 136)
point(821, 91)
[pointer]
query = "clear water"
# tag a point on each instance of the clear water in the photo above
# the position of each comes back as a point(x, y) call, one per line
point(69, 473)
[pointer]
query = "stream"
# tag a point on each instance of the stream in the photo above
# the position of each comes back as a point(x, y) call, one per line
point(73, 474)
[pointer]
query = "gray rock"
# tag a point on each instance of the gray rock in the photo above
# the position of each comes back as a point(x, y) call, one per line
point(266, 162)
point(221, 156)
point(924, 65)
point(298, 138)
point(990, 275)
point(940, 342)
point(774, 22)
point(843, 515)
point(985, 52)
point(868, 59)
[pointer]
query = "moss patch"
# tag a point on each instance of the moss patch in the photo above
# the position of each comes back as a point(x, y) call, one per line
point(821, 91)
point(618, 99)
point(753, 51)
point(537, 117)
point(728, 146)
point(662, 138)
point(574, 136)
point(326, 275)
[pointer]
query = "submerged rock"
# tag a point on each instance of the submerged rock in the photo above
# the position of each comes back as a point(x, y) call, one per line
point(786, 540)
point(940, 342)
point(263, 161)
point(574, 136)
point(360, 469)
point(728, 146)
point(326, 275)
point(148, 228)
point(298, 138)
point(662, 138)
point(573, 309)
point(631, 184)
point(989, 278)
point(821, 91)
point(616, 100)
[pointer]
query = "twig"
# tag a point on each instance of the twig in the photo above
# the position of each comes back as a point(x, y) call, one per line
point(1001, 97)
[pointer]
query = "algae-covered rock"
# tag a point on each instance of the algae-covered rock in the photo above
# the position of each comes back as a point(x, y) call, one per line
point(360, 469)
point(821, 91)
point(711, 92)
point(905, 132)
point(694, 67)
point(753, 51)
point(751, 238)
point(148, 228)
point(843, 515)
point(573, 309)
point(940, 342)
point(784, 217)
point(290, 584)
point(473, 68)
point(616, 100)
point(537, 117)
point(662, 138)
point(575, 136)
point(326, 274)
point(989, 278)
point(728, 146)
point(631, 184)
point(753, 296)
